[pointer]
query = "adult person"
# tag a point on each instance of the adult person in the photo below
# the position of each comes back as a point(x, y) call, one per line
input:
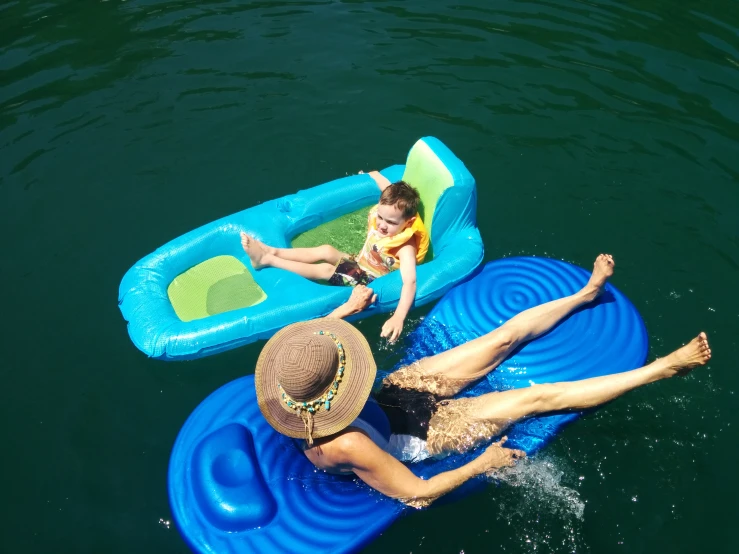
point(314, 380)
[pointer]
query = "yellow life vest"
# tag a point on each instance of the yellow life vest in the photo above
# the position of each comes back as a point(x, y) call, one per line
point(379, 255)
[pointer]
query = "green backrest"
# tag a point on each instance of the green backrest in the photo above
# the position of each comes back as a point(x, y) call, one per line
point(426, 172)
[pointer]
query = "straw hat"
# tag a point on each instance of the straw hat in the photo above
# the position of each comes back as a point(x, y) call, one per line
point(314, 377)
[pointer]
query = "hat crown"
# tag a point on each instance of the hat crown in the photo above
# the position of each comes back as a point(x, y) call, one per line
point(306, 366)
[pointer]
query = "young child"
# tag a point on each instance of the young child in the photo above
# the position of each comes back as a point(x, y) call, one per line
point(396, 239)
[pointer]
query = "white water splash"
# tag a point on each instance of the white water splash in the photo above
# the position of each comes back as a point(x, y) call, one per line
point(539, 481)
point(545, 514)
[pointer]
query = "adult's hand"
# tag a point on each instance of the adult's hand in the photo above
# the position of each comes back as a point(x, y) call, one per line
point(361, 298)
point(496, 455)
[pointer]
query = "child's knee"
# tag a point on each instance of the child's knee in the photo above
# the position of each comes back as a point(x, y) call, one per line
point(329, 253)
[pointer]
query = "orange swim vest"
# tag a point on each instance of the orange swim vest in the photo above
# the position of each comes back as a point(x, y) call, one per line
point(379, 255)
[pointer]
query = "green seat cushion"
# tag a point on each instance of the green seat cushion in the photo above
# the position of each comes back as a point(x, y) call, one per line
point(217, 285)
point(346, 233)
point(428, 174)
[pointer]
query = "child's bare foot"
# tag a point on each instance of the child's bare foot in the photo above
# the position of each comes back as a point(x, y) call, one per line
point(253, 249)
point(681, 361)
point(602, 270)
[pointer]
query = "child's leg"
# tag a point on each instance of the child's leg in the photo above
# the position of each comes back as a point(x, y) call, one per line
point(316, 272)
point(262, 256)
point(325, 253)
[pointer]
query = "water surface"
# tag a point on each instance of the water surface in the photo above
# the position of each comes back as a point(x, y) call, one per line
point(589, 126)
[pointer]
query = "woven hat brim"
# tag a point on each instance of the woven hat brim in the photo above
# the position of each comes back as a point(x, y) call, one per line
point(355, 387)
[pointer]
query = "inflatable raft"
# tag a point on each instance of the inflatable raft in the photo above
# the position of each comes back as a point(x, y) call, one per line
point(198, 294)
point(237, 486)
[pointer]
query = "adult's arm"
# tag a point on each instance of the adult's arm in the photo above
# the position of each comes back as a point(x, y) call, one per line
point(358, 453)
point(360, 299)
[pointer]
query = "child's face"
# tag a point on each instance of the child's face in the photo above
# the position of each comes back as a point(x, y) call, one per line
point(390, 220)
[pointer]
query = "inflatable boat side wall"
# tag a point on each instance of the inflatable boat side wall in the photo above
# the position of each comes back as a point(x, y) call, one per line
point(156, 330)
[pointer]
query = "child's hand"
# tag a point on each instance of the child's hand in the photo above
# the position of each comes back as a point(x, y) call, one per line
point(392, 328)
point(381, 181)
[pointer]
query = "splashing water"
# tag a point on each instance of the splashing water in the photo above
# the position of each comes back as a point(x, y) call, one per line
point(539, 480)
point(533, 499)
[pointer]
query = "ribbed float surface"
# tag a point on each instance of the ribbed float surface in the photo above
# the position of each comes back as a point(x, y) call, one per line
point(315, 511)
point(237, 486)
point(606, 337)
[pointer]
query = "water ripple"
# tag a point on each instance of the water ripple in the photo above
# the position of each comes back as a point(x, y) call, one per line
point(588, 124)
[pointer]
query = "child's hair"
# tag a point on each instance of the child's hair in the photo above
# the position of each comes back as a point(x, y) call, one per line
point(402, 195)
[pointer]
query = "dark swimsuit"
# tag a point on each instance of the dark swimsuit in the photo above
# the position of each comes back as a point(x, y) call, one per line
point(408, 410)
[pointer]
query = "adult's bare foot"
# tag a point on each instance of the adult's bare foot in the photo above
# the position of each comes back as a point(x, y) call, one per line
point(602, 270)
point(254, 250)
point(697, 352)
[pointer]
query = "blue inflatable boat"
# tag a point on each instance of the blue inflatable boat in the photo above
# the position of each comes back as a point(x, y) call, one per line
point(237, 486)
point(198, 294)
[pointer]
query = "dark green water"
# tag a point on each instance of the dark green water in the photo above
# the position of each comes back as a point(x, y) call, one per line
point(590, 126)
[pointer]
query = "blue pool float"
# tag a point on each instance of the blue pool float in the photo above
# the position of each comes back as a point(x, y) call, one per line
point(237, 486)
point(198, 294)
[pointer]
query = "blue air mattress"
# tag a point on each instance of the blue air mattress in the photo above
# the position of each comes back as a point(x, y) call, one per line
point(237, 486)
point(199, 295)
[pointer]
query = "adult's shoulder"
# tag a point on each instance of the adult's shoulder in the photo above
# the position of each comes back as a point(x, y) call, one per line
point(349, 445)
point(340, 452)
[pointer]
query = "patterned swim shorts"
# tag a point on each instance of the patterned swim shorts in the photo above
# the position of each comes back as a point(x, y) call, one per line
point(349, 274)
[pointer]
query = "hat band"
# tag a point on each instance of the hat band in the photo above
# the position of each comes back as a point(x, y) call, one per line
point(323, 401)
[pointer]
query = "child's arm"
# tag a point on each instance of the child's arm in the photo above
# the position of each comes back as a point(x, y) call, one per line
point(394, 326)
point(381, 181)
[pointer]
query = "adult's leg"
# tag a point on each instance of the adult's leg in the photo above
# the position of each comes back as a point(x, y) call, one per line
point(589, 393)
point(447, 373)
point(461, 424)
point(264, 256)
